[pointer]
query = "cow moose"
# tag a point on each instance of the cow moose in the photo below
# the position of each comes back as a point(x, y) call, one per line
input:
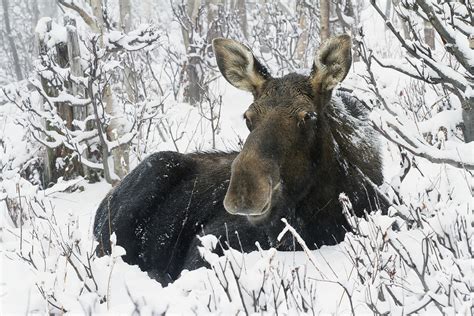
point(306, 146)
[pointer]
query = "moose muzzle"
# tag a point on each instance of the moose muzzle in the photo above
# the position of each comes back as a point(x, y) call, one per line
point(252, 185)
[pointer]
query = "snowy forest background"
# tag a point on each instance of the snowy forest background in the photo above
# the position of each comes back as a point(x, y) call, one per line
point(91, 87)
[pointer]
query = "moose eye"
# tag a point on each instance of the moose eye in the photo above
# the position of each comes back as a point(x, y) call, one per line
point(306, 117)
point(310, 116)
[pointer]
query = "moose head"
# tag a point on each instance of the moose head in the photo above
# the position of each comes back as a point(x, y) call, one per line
point(288, 137)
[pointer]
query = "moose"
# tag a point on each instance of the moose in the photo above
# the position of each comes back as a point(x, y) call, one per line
point(306, 146)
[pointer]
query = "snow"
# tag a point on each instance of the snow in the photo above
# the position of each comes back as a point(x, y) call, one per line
point(62, 185)
point(135, 40)
point(42, 26)
point(129, 286)
point(449, 119)
point(56, 34)
point(469, 93)
point(384, 256)
point(181, 297)
point(65, 97)
point(416, 144)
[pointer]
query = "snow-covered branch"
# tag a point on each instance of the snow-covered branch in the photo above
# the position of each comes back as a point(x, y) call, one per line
point(454, 42)
point(88, 19)
point(419, 51)
point(392, 129)
point(145, 36)
point(393, 125)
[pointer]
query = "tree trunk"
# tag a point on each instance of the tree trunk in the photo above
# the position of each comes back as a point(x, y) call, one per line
point(148, 9)
point(388, 10)
point(74, 58)
point(125, 15)
point(129, 76)
point(302, 44)
point(213, 15)
point(36, 14)
point(64, 110)
point(64, 54)
point(97, 11)
point(192, 7)
point(406, 31)
point(429, 34)
point(468, 108)
point(193, 91)
point(116, 127)
point(325, 10)
point(71, 166)
point(47, 9)
point(241, 8)
point(11, 41)
point(264, 49)
point(468, 120)
point(348, 11)
point(79, 112)
point(49, 157)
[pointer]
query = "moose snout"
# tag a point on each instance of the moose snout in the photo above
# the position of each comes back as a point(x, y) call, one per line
point(250, 191)
point(248, 198)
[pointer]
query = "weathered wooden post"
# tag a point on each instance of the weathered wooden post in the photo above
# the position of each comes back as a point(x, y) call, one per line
point(49, 153)
point(65, 55)
point(79, 112)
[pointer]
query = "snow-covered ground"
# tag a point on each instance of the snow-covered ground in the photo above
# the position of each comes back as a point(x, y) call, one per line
point(439, 192)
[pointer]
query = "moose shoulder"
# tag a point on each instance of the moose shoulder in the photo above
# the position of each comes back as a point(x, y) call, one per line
point(305, 147)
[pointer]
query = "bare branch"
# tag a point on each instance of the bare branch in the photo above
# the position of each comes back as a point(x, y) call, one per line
point(83, 14)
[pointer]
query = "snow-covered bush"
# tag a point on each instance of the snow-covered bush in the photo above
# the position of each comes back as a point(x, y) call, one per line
point(69, 107)
point(418, 262)
point(450, 65)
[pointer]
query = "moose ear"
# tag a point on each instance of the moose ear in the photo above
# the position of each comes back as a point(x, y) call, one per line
point(332, 63)
point(238, 65)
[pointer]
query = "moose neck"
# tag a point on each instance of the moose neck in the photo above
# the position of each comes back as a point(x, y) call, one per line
point(326, 157)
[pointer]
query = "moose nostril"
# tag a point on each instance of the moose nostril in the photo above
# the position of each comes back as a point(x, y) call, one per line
point(251, 186)
point(242, 201)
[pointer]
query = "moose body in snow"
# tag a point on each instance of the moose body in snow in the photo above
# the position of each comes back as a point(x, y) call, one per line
point(306, 146)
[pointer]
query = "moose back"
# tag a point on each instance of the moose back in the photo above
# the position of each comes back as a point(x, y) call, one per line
point(305, 147)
